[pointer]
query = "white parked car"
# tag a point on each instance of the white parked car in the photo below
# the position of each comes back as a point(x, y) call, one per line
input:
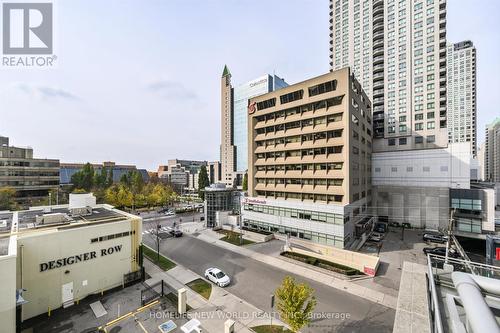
point(217, 276)
point(376, 236)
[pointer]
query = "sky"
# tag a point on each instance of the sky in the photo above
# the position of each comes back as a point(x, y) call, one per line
point(138, 82)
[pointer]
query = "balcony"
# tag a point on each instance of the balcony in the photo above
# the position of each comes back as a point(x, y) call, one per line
point(378, 84)
point(378, 68)
point(379, 34)
point(378, 93)
point(378, 59)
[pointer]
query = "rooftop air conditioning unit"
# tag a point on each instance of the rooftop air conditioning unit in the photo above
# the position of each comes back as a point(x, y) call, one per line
point(80, 211)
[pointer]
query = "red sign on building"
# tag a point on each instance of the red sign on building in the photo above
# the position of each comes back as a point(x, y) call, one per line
point(369, 271)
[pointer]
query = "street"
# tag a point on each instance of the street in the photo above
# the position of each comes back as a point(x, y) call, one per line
point(254, 282)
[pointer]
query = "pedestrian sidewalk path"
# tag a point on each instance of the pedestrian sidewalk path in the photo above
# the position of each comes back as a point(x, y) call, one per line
point(365, 292)
point(221, 306)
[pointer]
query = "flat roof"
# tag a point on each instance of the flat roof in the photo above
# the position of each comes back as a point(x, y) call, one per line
point(5, 221)
point(27, 218)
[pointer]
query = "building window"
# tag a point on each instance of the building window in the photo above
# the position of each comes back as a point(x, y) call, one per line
point(323, 88)
point(431, 138)
point(392, 142)
point(419, 139)
point(268, 103)
point(290, 97)
point(402, 141)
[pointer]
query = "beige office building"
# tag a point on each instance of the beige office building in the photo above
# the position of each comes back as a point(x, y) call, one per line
point(227, 147)
point(309, 160)
point(61, 254)
point(31, 178)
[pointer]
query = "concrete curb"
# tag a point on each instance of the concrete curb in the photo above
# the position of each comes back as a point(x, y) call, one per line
point(329, 280)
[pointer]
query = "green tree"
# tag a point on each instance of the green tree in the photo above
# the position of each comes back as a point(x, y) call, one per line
point(245, 182)
point(203, 181)
point(125, 180)
point(109, 180)
point(100, 179)
point(84, 179)
point(7, 195)
point(295, 303)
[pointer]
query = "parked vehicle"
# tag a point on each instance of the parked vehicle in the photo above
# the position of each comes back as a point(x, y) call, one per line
point(441, 251)
point(376, 236)
point(380, 227)
point(394, 224)
point(436, 238)
point(217, 276)
point(406, 225)
point(163, 210)
point(176, 233)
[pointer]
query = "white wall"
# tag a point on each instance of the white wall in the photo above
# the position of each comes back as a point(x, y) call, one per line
point(442, 167)
point(8, 289)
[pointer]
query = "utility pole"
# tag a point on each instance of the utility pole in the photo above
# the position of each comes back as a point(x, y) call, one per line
point(450, 226)
point(158, 226)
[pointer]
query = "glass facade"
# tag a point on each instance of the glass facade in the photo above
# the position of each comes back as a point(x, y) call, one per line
point(468, 209)
point(217, 200)
point(316, 237)
point(242, 94)
point(298, 213)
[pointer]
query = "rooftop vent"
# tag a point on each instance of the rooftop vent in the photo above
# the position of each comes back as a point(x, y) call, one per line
point(51, 218)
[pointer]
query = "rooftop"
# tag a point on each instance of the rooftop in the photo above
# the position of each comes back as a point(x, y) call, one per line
point(44, 217)
point(79, 213)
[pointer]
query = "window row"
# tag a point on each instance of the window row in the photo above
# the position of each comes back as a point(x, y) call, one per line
point(301, 109)
point(312, 236)
point(300, 181)
point(301, 152)
point(302, 167)
point(296, 213)
point(300, 138)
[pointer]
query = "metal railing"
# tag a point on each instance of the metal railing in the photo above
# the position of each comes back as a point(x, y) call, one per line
point(439, 273)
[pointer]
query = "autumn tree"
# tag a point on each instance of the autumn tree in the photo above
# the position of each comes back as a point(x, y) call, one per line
point(7, 195)
point(295, 303)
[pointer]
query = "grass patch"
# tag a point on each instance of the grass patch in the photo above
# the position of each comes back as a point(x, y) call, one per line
point(234, 238)
point(164, 263)
point(174, 300)
point(331, 266)
point(270, 329)
point(201, 286)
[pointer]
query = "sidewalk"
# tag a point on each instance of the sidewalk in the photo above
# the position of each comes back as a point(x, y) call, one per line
point(214, 312)
point(384, 298)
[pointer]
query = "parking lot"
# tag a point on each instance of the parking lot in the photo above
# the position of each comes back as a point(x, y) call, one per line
point(396, 247)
